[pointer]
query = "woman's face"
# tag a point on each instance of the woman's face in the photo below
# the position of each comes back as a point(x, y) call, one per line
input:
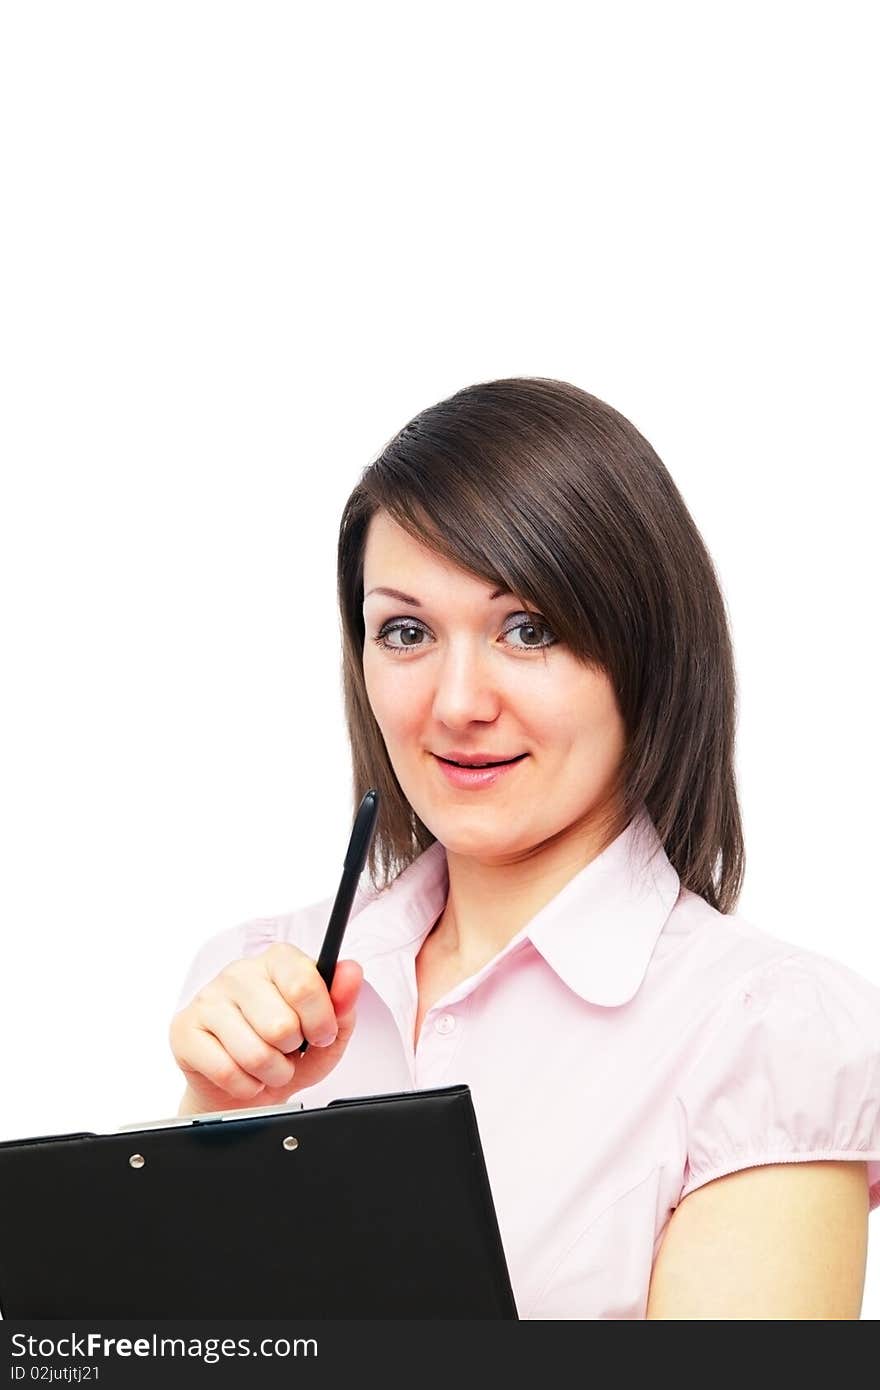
point(456, 671)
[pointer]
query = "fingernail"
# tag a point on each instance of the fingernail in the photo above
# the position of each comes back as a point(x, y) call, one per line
point(327, 1041)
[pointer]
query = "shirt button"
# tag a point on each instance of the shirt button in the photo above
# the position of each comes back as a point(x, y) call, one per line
point(445, 1024)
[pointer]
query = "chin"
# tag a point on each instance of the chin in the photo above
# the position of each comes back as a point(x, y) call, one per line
point(477, 840)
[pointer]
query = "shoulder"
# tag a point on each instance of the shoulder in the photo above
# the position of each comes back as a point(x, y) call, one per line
point(727, 939)
point(720, 956)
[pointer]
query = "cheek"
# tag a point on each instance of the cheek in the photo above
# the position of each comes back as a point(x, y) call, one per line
point(375, 690)
point(593, 719)
point(609, 733)
point(384, 690)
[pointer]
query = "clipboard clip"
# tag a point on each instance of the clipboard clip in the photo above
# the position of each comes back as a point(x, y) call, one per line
point(213, 1117)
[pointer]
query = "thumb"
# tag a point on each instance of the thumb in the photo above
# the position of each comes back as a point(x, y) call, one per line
point(344, 992)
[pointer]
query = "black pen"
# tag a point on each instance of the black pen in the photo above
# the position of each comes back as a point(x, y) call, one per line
point(355, 858)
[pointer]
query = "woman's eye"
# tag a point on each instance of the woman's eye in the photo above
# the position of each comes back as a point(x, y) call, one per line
point(411, 634)
point(533, 627)
point(408, 631)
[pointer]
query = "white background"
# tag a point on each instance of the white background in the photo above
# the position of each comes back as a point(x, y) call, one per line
point(243, 244)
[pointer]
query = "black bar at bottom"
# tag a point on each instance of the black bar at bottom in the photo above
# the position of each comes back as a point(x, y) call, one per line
point(108, 1353)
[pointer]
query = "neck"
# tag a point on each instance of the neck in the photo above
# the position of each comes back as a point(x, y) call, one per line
point(490, 902)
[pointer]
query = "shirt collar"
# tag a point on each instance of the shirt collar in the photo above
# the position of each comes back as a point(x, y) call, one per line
point(598, 933)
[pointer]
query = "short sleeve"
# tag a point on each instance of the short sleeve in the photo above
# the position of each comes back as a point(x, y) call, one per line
point(790, 1072)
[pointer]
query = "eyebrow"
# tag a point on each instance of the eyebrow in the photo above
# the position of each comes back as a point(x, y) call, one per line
point(414, 603)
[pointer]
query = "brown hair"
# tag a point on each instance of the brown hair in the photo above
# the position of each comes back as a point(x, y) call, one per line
point(537, 487)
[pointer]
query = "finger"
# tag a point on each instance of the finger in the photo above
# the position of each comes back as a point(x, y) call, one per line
point(253, 1054)
point(305, 992)
point(201, 1057)
point(266, 1010)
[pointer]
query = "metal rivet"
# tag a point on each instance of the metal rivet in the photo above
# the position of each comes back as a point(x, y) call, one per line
point(290, 1142)
point(137, 1160)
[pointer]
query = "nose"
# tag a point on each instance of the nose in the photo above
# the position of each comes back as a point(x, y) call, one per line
point(467, 686)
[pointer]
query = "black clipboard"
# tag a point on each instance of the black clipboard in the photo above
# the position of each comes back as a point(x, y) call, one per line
point(370, 1207)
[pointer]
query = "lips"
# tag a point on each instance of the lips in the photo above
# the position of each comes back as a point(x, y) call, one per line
point(478, 780)
point(494, 762)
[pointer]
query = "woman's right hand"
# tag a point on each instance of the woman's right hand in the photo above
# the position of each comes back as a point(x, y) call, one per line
point(236, 1041)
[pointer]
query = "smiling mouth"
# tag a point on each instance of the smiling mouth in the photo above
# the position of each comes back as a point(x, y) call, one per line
point(503, 763)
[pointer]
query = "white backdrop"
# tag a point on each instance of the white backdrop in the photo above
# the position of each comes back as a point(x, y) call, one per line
point(243, 244)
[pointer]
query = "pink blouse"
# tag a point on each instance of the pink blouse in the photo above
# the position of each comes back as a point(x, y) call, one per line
point(629, 1044)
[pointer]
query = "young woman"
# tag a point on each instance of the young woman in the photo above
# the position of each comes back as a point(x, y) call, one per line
point(680, 1112)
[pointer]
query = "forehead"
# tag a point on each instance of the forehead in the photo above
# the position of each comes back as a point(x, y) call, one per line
point(388, 542)
point(393, 556)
